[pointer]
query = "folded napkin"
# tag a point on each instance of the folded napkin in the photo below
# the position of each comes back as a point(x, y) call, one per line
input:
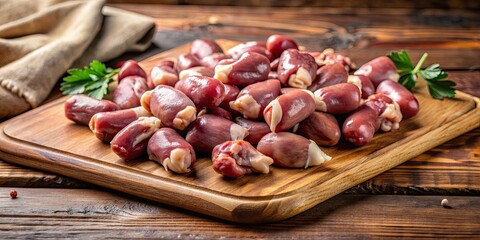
point(41, 39)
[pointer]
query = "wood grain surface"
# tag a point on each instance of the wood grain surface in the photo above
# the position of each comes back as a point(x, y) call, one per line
point(451, 38)
point(54, 143)
point(462, 4)
point(60, 213)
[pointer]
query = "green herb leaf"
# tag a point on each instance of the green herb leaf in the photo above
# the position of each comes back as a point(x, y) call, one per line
point(72, 88)
point(401, 60)
point(433, 75)
point(408, 80)
point(433, 72)
point(98, 67)
point(92, 80)
point(99, 92)
point(441, 89)
point(90, 86)
point(76, 75)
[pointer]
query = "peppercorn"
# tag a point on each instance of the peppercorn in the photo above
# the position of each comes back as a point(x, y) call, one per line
point(13, 194)
point(444, 203)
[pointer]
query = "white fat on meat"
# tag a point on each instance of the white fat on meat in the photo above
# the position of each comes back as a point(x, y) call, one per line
point(247, 105)
point(320, 105)
point(328, 51)
point(295, 128)
point(179, 161)
point(145, 100)
point(184, 117)
point(259, 162)
point(237, 132)
point(394, 76)
point(188, 73)
point(386, 125)
point(391, 117)
point(364, 70)
point(91, 123)
point(301, 79)
point(277, 114)
point(355, 80)
point(141, 112)
point(152, 123)
point(320, 59)
point(309, 93)
point(160, 76)
point(222, 72)
point(315, 155)
point(202, 112)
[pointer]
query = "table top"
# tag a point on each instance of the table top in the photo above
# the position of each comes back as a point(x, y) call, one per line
point(402, 202)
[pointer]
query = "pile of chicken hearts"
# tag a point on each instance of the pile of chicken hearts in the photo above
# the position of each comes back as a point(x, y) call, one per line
point(257, 104)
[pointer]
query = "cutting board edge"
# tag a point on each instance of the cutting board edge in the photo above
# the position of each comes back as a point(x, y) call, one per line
point(187, 197)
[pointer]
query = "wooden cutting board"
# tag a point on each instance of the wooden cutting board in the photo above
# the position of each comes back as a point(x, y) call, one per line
point(43, 138)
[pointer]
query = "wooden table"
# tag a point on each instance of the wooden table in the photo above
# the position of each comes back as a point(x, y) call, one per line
point(403, 202)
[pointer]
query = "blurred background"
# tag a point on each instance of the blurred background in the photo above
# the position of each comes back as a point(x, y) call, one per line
point(362, 29)
point(442, 4)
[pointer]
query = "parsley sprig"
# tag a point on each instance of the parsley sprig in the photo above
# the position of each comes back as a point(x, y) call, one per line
point(92, 80)
point(433, 75)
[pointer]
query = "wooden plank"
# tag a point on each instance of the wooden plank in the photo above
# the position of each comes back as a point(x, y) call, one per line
point(466, 81)
point(276, 12)
point(452, 168)
point(450, 36)
point(69, 149)
point(12, 175)
point(146, 1)
point(341, 4)
point(67, 213)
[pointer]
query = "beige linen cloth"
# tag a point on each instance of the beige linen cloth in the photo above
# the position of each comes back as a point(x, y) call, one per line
point(41, 39)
